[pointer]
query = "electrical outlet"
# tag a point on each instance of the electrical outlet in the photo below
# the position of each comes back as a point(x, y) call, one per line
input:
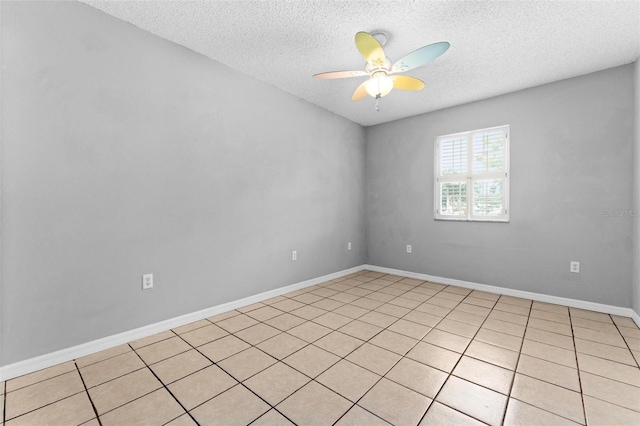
point(574, 267)
point(147, 281)
point(294, 255)
point(409, 249)
point(348, 246)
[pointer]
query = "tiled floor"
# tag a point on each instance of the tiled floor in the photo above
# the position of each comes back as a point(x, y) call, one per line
point(366, 349)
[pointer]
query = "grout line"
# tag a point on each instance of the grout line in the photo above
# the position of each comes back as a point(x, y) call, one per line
point(544, 381)
point(418, 340)
point(266, 412)
point(86, 390)
point(278, 360)
point(340, 358)
point(163, 386)
point(13, 419)
point(584, 353)
point(241, 383)
point(515, 371)
point(39, 381)
point(575, 352)
point(624, 339)
point(450, 373)
point(343, 358)
point(271, 407)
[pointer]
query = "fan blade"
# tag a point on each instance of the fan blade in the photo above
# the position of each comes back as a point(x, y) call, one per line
point(360, 92)
point(420, 57)
point(370, 49)
point(404, 82)
point(339, 74)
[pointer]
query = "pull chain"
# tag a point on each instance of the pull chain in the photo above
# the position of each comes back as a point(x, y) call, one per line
point(377, 99)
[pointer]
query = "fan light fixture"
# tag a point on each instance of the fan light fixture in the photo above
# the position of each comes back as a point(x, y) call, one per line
point(379, 67)
point(379, 84)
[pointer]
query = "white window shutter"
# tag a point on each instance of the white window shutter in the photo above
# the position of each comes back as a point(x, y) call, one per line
point(472, 175)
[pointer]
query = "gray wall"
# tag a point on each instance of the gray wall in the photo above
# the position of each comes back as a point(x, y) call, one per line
point(125, 154)
point(636, 189)
point(571, 159)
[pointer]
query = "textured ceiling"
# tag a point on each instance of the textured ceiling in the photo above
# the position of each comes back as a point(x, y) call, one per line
point(496, 47)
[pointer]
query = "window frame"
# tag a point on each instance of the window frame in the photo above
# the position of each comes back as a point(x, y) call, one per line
point(470, 177)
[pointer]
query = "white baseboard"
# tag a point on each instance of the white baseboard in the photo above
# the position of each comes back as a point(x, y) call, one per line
point(34, 364)
point(635, 317)
point(38, 363)
point(574, 303)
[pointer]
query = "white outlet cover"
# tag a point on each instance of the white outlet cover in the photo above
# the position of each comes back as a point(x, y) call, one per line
point(147, 281)
point(348, 246)
point(574, 267)
point(409, 248)
point(294, 255)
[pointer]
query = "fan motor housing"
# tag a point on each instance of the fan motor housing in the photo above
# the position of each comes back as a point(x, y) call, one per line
point(373, 69)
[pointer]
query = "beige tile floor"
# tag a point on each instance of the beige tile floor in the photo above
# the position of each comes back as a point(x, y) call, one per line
point(365, 349)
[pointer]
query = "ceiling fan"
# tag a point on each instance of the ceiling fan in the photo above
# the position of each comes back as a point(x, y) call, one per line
point(382, 78)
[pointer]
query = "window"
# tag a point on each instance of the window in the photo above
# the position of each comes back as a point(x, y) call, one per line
point(472, 175)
